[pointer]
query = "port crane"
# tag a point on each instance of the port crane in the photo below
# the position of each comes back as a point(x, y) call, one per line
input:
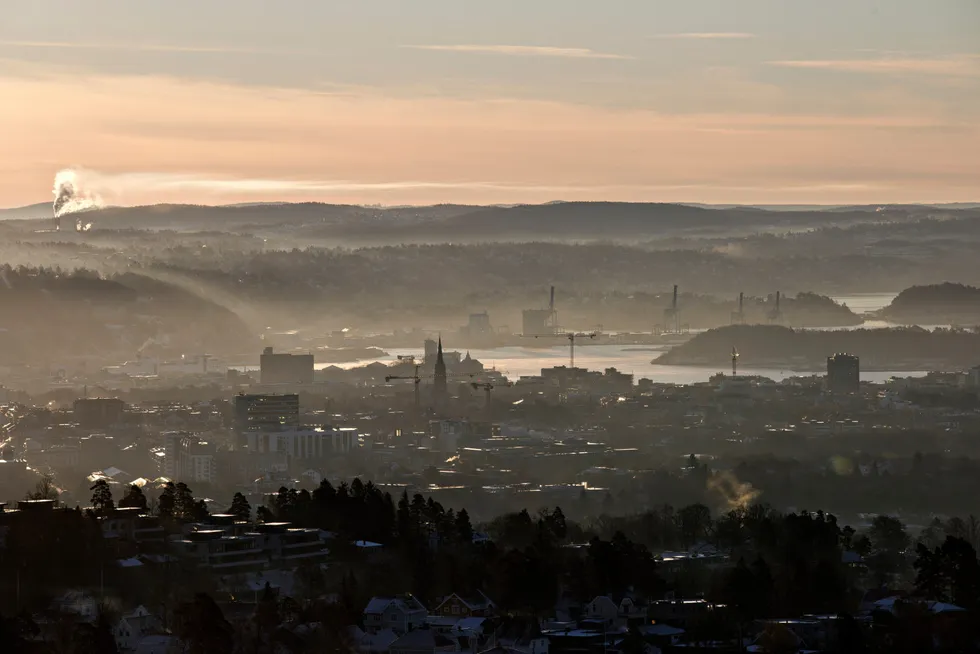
point(738, 317)
point(776, 315)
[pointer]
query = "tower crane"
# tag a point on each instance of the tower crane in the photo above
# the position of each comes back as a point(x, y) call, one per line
point(487, 389)
point(572, 337)
point(417, 379)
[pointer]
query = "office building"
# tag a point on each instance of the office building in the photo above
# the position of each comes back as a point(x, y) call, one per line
point(266, 412)
point(188, 458)
point(843, 373)
point(285, 368)
point(98, 412)
point(302, 442)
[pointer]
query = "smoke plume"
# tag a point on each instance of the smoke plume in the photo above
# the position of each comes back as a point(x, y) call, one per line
point(73, 192)
point(732, 493)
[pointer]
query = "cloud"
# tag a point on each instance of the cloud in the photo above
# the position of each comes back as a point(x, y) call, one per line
point(522, 51)
point(140, 47)
point(957, 66)
point(175, 140)
point(706, 35)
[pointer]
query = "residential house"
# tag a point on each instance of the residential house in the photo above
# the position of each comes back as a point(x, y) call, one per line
point(612, 614)
point(401, 614)
point(159, 644)
point(424, 641)
point(372, 643)
point(521, 636)
point(133, 627)
point(477, 605)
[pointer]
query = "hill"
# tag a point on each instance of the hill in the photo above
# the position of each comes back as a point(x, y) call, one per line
point(769, 346)
point(50, 317)
point(30, 212)
point(937, 304)
point(442, 223)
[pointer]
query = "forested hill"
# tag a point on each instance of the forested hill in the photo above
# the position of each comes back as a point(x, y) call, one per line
point(937, 304)
point(907, 348)
point(47, 315)
point(553, 221)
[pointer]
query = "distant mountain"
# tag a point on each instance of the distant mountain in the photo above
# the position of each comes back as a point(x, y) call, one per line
point(459, 223)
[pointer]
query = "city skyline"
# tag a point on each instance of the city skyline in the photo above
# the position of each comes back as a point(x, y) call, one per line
point(428, 102)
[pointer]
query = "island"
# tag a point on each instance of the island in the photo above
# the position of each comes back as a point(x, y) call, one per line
point(936, 304)
point(773, 346)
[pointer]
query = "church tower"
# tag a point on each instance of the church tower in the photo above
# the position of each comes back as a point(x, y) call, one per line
point(440, 387)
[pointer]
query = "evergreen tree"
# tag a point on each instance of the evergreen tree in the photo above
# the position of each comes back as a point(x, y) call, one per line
point(134, 498)
point(463, 528)
point(167, 504)
point(240, 508)
point(102, 498)
point(202, 626)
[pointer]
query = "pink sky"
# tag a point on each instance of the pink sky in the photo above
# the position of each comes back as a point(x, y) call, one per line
point(430, 101)
point(209, 143)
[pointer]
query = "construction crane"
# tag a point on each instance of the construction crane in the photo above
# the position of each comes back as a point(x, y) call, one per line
point(571, 336)
point(487, 389)
point(415, 378)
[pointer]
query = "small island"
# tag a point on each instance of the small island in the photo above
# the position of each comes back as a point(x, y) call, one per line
point(772, 346)
point(936, 304)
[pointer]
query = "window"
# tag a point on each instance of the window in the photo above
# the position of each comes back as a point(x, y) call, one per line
point(455, 609)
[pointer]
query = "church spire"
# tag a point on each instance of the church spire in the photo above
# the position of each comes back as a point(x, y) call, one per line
point(440, 389)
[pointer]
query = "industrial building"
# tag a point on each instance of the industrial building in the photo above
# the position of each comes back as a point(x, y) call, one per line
point(541, 322)
point(843, 373)
point(277, 368)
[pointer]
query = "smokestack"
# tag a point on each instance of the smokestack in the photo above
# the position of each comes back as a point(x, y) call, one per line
point(777, 300)
point(740, 296)
point(551, 303)
point(674, 305)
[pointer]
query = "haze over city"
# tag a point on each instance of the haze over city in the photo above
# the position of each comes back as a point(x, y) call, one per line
point(456, 327)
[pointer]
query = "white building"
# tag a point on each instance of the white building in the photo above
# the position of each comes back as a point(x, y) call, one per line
point(303, 442)
point(134, 627)
point(188, 458)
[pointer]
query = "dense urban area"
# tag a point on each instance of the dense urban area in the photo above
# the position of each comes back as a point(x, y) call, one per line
point(175, 479)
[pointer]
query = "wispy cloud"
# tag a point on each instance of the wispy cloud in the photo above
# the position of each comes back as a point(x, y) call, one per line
point(958, 66)
point(118, 186)
point(706, 35)
point(522, 51)
point(139, 47)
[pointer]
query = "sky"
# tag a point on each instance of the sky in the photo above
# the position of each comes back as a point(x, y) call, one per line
point(430, 101)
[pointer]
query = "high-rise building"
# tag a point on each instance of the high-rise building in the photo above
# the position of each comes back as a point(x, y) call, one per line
point(285, 368)
point(843, 373)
